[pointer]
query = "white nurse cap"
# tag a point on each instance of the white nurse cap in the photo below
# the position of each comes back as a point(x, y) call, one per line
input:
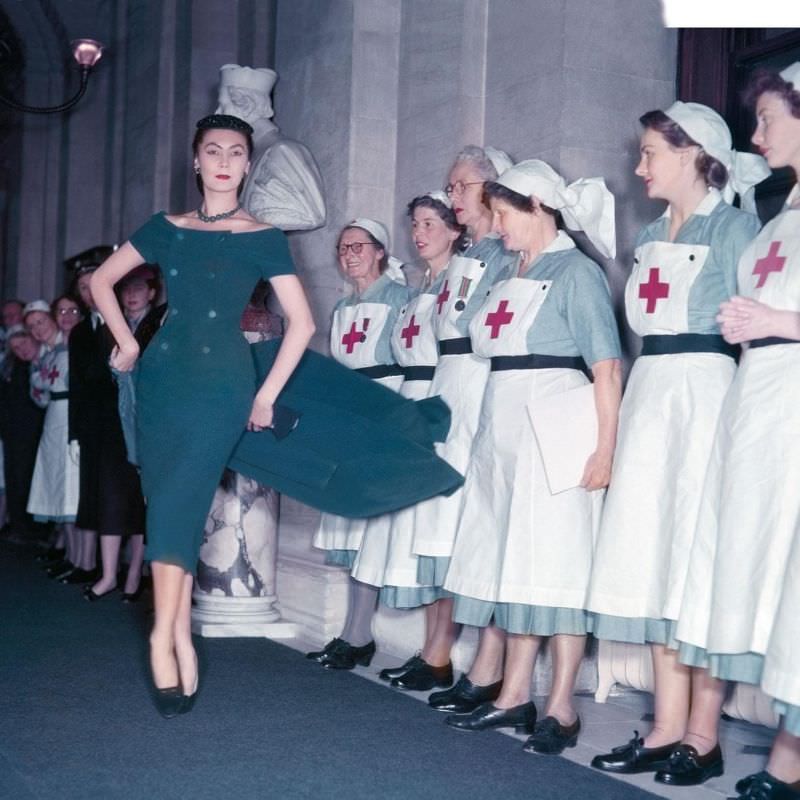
point(711, 132)
point(377, 230)
point(586, 205)
point(439, 195)
point(36, 305)
point(792, 75)
point(501, 161)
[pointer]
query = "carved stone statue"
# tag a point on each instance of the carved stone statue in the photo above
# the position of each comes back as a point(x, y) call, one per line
point(284, 187)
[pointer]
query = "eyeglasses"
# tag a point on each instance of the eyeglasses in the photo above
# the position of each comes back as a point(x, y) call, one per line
point(459, 187)
point(64, 311)
point(356, 247)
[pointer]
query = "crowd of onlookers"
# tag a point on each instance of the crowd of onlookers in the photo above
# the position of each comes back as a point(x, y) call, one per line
point(68, 480)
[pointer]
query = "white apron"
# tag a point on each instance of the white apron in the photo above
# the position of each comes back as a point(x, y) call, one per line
point(385, 557)
point(781, 677)
point(460, 381)
point(355, 333)
point(666, 433)
point(517, 543)
point(56, 479)
point(751, 504)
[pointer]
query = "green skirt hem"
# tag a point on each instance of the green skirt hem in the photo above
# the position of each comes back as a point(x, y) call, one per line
point(340, 558)
point(519, 618)
point(431, 570)
point(410, 597)
point(634, 630)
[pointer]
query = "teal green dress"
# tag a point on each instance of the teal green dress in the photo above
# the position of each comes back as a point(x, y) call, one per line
point(359, 449)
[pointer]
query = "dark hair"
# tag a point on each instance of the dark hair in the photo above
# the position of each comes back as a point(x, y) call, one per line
point(713, 171)
point(65, 296)
point(384, 262)
point(446, 214)
point(13, 301)
point(198, 140)
point(519, 201)
point(766, 80)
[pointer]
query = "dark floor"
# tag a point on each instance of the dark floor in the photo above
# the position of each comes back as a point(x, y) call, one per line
point(77, 721)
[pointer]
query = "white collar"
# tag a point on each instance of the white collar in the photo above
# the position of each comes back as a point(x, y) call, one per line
point(712, 199)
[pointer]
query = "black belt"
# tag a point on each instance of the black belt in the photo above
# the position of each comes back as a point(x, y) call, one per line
point(455, 347)
point(418, 373)
point(688, 343)
point(59, 395)
point(770, 340)
point(537, 361)
point(380, 371)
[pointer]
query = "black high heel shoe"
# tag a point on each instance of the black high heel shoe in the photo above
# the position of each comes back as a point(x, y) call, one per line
point(91, 595)
point(169, 702)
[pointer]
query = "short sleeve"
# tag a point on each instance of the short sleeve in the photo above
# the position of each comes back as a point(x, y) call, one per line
point(589, 313)
point(273, 255)
point(730, 240)
point(152, 239)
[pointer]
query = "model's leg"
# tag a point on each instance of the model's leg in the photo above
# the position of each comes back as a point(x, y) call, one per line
point(672, 690)
point(521, 652)
point(134, 576)
point(182, 632)
point(708, 695)
point(168, 587)
point(441, 633)
point(487, 668)
point(363, 602)
point(109, 555)
point(567, 652)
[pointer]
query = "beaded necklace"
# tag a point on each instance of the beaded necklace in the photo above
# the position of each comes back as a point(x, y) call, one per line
point(217, 217)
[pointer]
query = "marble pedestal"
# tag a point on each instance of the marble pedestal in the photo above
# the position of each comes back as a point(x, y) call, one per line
point(235, 592)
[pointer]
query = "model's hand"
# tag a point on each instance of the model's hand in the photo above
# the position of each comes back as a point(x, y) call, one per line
point(597, 472)
point(124, 358)
point(742, 319)
point(260, 415)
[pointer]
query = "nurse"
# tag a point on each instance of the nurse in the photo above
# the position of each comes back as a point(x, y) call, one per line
point(523, 550)
point(684, 267)
point(361, 334)
point(747, 618)
point(460, 379)
point(385, 559)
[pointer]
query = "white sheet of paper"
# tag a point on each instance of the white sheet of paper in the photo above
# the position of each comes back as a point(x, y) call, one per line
point(565, 425)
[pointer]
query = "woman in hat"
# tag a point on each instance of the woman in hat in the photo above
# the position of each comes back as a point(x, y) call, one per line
point(385, 558)
point(742, 604)
point(684, 267)
point(361, 332)
point(523, 549)
point(198, 389)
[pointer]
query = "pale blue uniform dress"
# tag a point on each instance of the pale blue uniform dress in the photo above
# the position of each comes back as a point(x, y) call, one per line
point(667, 420)
point(460, 379)
point(523, 555)
point(361, 333)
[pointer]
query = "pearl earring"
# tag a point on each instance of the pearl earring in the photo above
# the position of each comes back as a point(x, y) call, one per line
point(196, 169)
